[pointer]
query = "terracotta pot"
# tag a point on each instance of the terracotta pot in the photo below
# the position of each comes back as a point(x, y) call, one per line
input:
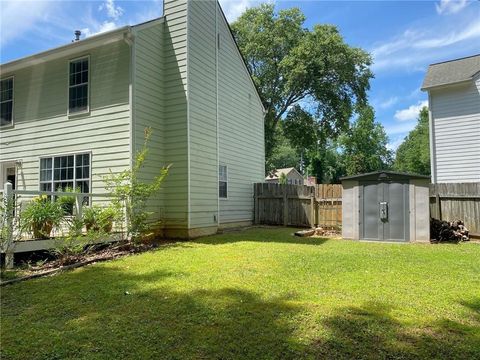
point(42, 231)
point(108, 227)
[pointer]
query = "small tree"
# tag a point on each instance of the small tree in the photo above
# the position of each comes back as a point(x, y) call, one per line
point(282, 179)
point(130, 195)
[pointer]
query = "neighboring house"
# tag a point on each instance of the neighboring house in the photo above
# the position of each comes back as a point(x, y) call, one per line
point(72, 113)
point(310, 181)
point(293, 176)
point(454, 106)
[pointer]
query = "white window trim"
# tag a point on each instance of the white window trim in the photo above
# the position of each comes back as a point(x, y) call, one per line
point(87, 110)
point(13, 101)
point(225, 181)
point(52, 182)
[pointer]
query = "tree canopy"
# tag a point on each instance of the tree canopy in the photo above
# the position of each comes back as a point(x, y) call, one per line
point(364, 146)
point(413, 155)
point(301, 71)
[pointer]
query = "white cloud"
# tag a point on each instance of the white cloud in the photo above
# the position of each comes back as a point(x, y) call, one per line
point(401, 128)
point(103, 27)
point(19, 17)
point(450, 6)
point(419, 45)
point(113, 11)
point(411, 113)
point(234, 8)
point(388, 103)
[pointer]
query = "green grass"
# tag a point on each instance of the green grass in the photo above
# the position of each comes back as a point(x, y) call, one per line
point(257, 294)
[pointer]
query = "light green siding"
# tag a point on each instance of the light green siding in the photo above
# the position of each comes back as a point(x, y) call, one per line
point(225, 121)
point(147, 106)
point(42, 126)
point(241, 139)
point(202, 91)
point(175, 134)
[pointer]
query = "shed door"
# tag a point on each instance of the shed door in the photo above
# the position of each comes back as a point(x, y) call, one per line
point(384, 211)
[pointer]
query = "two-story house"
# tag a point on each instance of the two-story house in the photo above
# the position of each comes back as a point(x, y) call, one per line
point(71, 114)
point(454, 107)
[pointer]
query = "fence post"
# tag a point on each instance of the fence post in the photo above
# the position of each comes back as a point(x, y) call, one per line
point(312, 209)
point(78, 207)
point(439, 205)
point(285, 206)
point(8, 203)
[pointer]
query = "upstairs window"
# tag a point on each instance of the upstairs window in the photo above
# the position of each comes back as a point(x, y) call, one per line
point(222, 181)
point(6, 102)
point(78, 86)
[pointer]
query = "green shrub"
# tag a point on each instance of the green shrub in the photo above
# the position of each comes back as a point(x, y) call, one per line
point(41, 215)
point(68, 248)
point(130, 195)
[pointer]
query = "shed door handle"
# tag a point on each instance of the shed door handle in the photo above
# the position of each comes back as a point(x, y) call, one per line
point(384, 211)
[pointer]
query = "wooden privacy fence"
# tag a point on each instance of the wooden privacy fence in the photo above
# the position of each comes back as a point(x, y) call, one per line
point(456, 201)
point(298, 205)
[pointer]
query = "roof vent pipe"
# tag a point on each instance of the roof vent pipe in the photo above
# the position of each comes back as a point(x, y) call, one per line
point(77, 35)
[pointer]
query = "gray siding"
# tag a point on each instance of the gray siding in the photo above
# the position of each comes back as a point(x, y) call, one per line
point(455, 112)
point(350, 206)
point(42, 126)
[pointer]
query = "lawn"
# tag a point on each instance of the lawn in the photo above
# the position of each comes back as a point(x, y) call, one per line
point(256, 294)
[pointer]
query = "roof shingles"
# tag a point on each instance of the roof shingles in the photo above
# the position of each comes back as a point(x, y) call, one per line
point(451, 72)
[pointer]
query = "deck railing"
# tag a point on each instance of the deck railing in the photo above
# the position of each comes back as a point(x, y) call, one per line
point(14, 200)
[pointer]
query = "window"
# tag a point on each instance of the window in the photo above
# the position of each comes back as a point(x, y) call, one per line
point(222, 181)
point(6, 102)
point(78, 86)
point(59, 172)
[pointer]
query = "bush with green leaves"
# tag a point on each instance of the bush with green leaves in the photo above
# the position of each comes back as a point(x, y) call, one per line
point(130, 195)
point(41, 215)
point(75, 243)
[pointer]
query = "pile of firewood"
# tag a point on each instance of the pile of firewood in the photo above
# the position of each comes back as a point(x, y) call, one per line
point(445, 231)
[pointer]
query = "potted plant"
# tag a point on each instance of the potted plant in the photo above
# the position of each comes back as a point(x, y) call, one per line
point(106, 218)
point(90, 217)
point(67, 202)
point(41, 215)
point(95, 218)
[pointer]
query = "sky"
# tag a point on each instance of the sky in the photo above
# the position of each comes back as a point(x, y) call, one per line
point(404, 37)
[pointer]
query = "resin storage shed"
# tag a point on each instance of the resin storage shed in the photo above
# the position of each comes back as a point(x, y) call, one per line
point(386, 206)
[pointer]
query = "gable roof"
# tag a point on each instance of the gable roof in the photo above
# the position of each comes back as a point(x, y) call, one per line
point(275, 174)
point(451, 72)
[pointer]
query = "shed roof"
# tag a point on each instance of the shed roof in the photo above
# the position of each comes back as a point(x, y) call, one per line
point(380, 175)
point(451, 72)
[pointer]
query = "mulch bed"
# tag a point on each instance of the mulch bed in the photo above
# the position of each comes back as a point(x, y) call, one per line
point(71, 262)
